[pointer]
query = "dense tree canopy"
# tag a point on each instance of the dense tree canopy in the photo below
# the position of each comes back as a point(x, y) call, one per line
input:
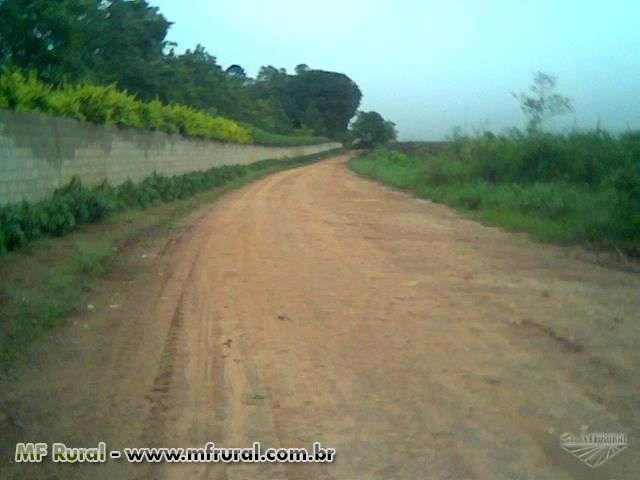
point(107, 41)
point(124, 42)
point(370, 129)
point(326, 99)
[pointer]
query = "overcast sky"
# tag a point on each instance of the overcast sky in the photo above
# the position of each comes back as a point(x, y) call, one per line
point(431, 65)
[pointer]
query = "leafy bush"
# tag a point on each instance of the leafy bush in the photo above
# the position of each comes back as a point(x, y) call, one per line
point(370, 129)
point(107, 104)
point(21, 92)
point(91, 258)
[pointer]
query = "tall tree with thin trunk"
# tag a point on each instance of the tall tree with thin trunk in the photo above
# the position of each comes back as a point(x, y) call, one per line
point(542, 102)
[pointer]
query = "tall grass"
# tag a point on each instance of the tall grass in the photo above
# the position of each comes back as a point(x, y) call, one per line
point(580, 188)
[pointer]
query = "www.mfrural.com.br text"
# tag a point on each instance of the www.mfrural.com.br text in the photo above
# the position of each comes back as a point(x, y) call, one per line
point(61, 453)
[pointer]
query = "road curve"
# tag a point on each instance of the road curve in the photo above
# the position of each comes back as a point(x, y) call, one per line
point(314, 305)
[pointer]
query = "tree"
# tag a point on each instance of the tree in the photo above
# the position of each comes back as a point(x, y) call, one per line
point(323, 101)
point(119, 41)
point(123, 42)
point(542, 102)
point(300, 69)
point(47, 36)
point(268, 114)
point(236, 71)
point(370, 129)
point(335, 96)
point(126, 45)
point(196, 79)
point(311, 119)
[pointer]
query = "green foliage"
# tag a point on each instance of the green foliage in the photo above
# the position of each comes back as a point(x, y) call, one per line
point(584, 187)
point(370, 129)
point(46, 35)
point(588, 158)
point(109, 105)
point(76, 204)
point(123, 43)
point(263, 137)
point(116, 41)
point(20, 92)
point(55, 278)
point(391, 167)
point(92, 258)
point(324, 101)
point(96, 104)
point(100, 104)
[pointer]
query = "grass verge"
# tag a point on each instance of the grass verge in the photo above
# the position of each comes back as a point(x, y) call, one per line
point(554, 211)
point(52, 278)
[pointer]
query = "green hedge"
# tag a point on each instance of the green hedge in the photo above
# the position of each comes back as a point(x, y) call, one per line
point(77, 204)
point(107, 104)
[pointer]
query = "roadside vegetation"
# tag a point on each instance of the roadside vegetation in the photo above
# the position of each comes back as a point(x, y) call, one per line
point(583, 187)
point(580, 188)
point(110, 62)
point(76, 204)
point(52, 278)
point(370, 129)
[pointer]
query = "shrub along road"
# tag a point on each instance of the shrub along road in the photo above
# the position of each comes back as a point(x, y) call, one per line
point(314, 305)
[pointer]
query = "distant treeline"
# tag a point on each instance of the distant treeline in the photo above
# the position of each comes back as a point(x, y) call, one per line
point(123, 42)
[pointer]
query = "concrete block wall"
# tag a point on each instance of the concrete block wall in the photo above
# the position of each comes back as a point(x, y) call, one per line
point(39, 153)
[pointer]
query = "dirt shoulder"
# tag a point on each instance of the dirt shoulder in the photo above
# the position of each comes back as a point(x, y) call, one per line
point(314, 305)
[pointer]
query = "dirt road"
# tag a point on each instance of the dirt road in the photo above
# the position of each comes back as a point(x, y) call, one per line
point(314, 305)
